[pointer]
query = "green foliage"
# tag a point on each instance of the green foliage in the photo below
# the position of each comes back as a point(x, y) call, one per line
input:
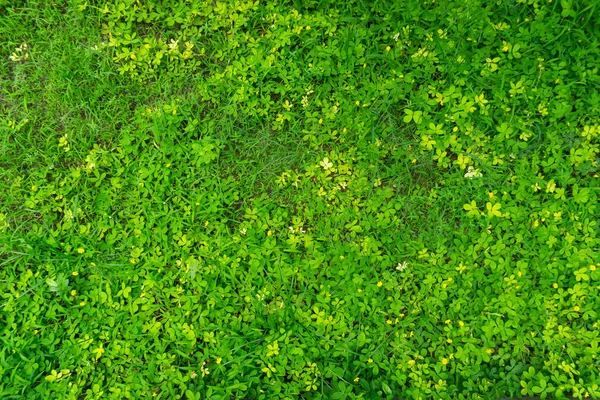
point(299, 199)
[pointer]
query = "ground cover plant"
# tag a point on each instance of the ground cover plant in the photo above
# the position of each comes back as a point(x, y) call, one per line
point(299, 199)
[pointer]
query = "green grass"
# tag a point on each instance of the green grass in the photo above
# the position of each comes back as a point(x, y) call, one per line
point(300, 199)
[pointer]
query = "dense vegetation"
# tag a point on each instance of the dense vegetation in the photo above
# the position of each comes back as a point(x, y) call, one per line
point(299, 199)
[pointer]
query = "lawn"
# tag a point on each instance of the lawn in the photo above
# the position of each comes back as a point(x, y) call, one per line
point(311, 199)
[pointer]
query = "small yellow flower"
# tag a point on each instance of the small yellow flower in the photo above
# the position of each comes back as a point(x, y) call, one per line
point(592, 267)
point(411, 362)
point(491, 194)
point(73, 292)
point(460, 323)
point(219, 359)
point(269, 233)
point(205, 223)
point(555, 286)
point(307, 28)
point(576, 308)
point(35, 332)
point(82, 303)
point(379, 284)
point(489, 351)
point(444, 361)
point(357, 102)
point(389, 322)
point(370, 360)
point(75, 273)
point(359, 290)
point(80, 250)
point(447, 322)
point(388, 48)
point(34, 188)
point(356, 379)
point(320, 121)
point(449, 340)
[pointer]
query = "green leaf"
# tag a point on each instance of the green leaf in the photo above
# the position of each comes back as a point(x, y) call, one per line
point(581, 195)
point(386, 389)
point(493, 210)
point(416, 116)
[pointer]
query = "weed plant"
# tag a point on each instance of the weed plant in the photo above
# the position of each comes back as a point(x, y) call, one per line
point(299, 199)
